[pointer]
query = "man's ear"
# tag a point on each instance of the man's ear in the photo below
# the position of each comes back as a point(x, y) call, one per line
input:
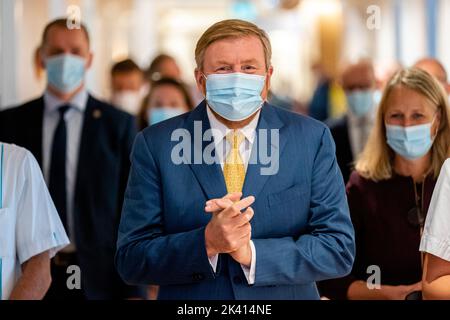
point(266, 89)
point(269, 76)
point(200, 80)
point(41, 59)
point(89, 60)
point(270, 71)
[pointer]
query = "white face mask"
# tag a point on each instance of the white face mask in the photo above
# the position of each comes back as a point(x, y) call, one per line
point(129, 101)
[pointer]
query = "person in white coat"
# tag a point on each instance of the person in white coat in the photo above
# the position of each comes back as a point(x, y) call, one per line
point(436, 241)
point(31, 231)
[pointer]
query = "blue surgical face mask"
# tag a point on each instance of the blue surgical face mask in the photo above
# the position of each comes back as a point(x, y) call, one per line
point(410, 142)
point(360, 102)
point(65, 72)
point(159, 114)
point(377, 96)
point(235, 96)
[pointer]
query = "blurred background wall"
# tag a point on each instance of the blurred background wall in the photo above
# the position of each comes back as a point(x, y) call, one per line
point(305, 34)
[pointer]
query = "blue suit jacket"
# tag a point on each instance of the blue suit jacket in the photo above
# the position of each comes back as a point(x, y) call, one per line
point(301, 228)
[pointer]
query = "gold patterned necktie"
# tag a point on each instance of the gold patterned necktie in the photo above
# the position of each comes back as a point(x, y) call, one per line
point(233, 169)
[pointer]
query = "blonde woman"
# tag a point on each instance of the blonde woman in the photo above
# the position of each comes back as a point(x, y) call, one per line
point(390, 190)
point(436, 240)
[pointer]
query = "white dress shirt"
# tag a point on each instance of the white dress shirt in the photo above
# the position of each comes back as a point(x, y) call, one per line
point(436, 235)
point(29, 222)
point(222, 147)
point(74, 123)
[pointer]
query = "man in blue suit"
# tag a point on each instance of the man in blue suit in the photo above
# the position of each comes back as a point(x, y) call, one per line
point(237, 199)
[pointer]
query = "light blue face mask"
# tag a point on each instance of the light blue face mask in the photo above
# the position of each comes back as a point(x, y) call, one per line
point(377, 96)
point(360, 102)
point(410, 142)
point(159, 114)
point(65, 72)
point(235, 96)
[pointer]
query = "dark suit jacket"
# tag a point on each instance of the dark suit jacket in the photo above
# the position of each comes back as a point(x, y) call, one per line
point(103, 167)
point(320, 102)
point(339, 131)
point(301, 229)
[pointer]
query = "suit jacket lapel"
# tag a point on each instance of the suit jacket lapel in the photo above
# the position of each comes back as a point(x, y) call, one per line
point(209, 176)
point(89, 134)
point(255, 178)
point(34, 129)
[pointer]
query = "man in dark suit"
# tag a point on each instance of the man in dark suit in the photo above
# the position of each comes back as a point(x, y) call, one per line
point(351, 131)
point(82, 146)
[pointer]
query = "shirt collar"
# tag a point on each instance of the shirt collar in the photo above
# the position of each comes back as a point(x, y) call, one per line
point(219, 130)
point(79, 101)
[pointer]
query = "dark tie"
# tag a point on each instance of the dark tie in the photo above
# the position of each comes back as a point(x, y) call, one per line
point(57, 182)
point(362, 134)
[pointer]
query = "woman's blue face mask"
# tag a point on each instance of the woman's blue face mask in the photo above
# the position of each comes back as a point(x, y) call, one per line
point(411, 142)
point(235, 96)
point(159, 114)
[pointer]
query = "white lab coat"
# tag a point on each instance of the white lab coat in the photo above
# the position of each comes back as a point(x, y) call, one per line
point(436, 236)
point(29, 222)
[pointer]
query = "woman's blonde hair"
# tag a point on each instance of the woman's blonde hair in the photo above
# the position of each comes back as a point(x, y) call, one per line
point(232, 28)
point(376, 160)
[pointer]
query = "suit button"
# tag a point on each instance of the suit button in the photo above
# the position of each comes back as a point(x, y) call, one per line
point(198, 276)
point(237, 280)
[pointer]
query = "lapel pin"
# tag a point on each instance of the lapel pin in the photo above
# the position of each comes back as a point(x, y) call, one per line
point(97, 114)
